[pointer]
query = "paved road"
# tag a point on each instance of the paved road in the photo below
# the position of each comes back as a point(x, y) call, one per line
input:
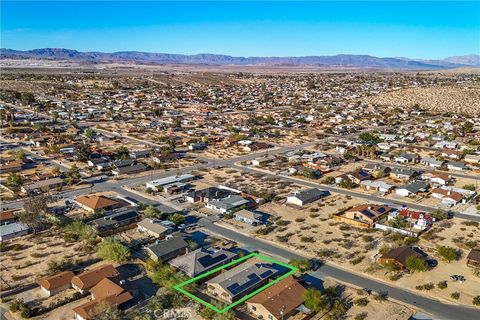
point(356, 194)
point(453, 174)
point(434, 307)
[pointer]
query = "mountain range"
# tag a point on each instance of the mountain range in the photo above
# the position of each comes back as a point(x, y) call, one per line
point(341, 60)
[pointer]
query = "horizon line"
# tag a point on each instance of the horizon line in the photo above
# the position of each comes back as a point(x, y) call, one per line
point(243, 56)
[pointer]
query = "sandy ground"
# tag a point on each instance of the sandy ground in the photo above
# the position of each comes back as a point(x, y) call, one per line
point(375, 310)
point(248, 182)
point(317, 235)
point(30, 262)
point(453, 99)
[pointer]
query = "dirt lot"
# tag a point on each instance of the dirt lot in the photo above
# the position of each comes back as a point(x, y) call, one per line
point(375, 310)
point(454, 99)
point(250, 183)
point(313, 232)
point(27, 258)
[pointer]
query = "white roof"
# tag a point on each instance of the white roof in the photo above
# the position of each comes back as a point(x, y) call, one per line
point(171, 179)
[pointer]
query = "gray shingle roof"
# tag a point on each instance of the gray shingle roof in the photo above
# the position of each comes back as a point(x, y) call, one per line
point(310, 194)
point(168, 246)
point(201, 260)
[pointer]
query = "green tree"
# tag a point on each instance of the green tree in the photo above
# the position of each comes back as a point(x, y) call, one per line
point(447, 253)
point(104, 311)
point(121, 152)
point(151, 212)
point(439, 214)
point(19, 154)
point(34, 209)
point(82, 151)
point(346, 184)
point(416, 264)
point(55, 117)
point(78, 230)
point(207, 313)
point(27, 98)
point(398, 222)
point(314, 300)
point(176, 123)
point(73, 175)
point(328, 180)
point(468, 126)
point(177, 218)
point(14, 181)
point(89, 134)
point(369, 137)
point(349, 156)
point(227, 315)
point(112, 250)
point(166, 276)
point(301, 264)
point(339, 308)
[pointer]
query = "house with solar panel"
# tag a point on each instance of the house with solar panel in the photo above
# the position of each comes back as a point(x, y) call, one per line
point(202, 260)
point(235, 283)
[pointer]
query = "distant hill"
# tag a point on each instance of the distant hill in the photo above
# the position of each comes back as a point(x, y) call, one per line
point(469, 60)
point(341, 60)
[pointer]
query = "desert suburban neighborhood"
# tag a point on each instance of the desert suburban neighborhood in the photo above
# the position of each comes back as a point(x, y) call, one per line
point(147, 186)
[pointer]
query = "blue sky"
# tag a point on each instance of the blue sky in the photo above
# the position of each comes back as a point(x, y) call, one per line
point(433, 29)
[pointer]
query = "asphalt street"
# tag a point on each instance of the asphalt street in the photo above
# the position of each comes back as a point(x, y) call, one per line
point(434, 307)
point(356, 194)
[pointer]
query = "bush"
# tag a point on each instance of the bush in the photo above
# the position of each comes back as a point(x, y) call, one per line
point(328, 180)
point(410, 240)
point(428, 286)
point(381, 296)
point(16, 305)
point(55, 266)
point(442, 285)
point(447, 253)
point(282, 223)
point(265, 230)
point(361, 316)
point(476, 301)
point(26, 312)
point(396, 276)
point(357, 260)
point(470, 223)
point(306, 239)
point(455, 295)
point(283, 238)
point(362, 302)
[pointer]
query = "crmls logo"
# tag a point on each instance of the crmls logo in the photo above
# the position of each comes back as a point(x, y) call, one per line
point(172, 314)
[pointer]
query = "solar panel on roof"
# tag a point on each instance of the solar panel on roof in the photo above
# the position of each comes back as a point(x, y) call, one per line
point(266, 274)
point(208, 260)
point(253, 279)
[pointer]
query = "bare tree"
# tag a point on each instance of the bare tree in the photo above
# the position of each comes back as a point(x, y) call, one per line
point(34, 209)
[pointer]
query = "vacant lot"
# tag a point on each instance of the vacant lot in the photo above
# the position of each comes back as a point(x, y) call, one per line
point(452, 99)
point(25, 260)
